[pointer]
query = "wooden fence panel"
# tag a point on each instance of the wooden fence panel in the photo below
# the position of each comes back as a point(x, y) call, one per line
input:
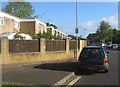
point(24, 46)
point(55, 45)
point(72, 45)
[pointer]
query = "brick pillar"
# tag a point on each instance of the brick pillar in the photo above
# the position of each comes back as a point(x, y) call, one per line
point(4, 50)
point(42, 45)
point(67, 45)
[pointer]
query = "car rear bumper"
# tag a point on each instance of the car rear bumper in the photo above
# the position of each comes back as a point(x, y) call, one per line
point(104, 67)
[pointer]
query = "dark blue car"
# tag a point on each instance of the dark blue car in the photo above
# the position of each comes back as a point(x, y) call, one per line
point(94, 57)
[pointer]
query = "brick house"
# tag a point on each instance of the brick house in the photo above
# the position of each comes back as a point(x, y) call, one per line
point(50, 29)
point(32, 25)
point(56, 32)
point(9, 23)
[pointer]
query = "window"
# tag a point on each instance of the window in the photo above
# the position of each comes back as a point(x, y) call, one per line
point(92, 53)
point(17, 25)
point(1, 21)
point(37, 26)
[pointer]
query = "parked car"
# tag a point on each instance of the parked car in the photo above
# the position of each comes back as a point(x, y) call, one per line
point(119, 47)
point(94, 57)
point(115, 46)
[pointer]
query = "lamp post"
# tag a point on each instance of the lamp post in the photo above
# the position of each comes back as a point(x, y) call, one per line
point(76, 30)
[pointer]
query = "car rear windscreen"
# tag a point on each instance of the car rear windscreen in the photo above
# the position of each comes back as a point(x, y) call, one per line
point(92, 53)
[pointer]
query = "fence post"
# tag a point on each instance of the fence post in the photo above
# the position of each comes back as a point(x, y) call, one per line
point(42, 45)
point(4, 50)
point(67, 45)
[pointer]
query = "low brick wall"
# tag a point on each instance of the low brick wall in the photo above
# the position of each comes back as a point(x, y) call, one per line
point(42, 56)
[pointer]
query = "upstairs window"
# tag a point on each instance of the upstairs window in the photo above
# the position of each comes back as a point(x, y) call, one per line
point(37, 26)
point(17, 25)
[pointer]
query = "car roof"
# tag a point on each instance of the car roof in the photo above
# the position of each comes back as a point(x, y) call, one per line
point(93, 47)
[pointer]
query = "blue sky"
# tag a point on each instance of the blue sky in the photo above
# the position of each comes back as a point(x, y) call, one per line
point(90, 14)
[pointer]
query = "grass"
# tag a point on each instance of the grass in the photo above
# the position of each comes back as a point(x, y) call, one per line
point(9, 84)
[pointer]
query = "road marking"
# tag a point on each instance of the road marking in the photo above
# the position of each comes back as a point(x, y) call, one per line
point(64, 80)
point(67, 80)
point(73, 81)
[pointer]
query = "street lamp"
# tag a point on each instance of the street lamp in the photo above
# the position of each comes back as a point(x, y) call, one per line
point(76, 30)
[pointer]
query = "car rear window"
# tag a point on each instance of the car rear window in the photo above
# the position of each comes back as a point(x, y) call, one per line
point(92, 53)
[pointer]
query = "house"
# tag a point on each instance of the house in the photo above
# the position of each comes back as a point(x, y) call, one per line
point(12, 24)
point(56, 32)
point(9, 23)
point(32, 25)
point(50, 29)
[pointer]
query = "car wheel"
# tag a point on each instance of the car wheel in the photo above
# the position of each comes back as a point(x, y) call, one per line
point(106, 71)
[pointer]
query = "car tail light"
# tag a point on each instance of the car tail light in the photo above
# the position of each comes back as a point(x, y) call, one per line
point(105, 61)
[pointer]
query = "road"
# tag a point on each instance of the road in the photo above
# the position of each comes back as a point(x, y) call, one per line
point(110, 78)
point(39, 74)
point(50, 73)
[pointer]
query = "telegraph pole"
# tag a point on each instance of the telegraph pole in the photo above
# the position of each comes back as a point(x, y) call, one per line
point(76, 30)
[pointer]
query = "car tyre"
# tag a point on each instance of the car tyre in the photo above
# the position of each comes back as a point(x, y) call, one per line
point(106, 71)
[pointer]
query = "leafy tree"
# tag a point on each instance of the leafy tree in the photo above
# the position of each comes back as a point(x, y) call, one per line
point(92, 38)
point(103, 30)
point(116, 36)
point(43, 35)
point(72, 36)
point(115, 32)
point(17, 36)
point(48, 24)
point(80, 37)
point(104, 34)
point(20, 9)
point(109, 35)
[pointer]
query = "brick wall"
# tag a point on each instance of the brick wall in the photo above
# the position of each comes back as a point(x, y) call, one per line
point(12, 58)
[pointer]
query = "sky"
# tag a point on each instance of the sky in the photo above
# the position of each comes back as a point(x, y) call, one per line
point(90, 14)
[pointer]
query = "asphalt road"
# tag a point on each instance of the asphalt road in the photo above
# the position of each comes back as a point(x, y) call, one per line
point(50, 73)
point(110, 78)
point(40, 74)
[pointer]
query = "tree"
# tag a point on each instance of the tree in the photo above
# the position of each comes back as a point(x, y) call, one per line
point(19, 9)
point(45, 35)
point(110, 35)
point(72, 37)
point(103, 31)
point(93, 38)
point(116, 36)
point(17, 36)
point(48, 24)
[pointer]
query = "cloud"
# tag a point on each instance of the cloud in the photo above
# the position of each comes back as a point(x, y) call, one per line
point(92, 25)
point(112, 20)
point(89, 25)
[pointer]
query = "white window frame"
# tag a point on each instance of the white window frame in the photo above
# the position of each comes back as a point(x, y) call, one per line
point(37, 26)
point(17, 25)
point(1, 21)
